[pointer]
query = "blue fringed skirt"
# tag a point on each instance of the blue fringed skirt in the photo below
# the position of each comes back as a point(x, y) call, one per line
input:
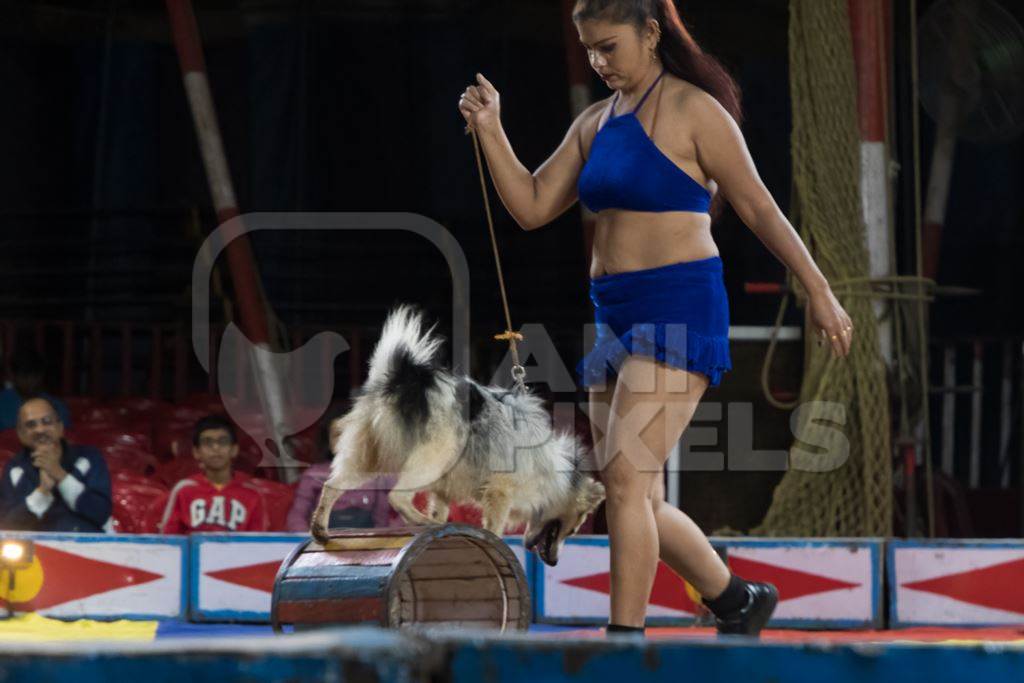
point(677, 314)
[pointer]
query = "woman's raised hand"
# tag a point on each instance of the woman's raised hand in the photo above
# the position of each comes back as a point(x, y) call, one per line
point(480, 105)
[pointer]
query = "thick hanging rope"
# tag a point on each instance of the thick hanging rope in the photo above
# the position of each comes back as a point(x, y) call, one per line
point(843, 485)
point(509, 335)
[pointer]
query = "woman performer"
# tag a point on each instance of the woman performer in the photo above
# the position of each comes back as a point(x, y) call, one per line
point(649, 161)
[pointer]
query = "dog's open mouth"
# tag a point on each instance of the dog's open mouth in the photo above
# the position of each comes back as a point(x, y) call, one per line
point(545, 543)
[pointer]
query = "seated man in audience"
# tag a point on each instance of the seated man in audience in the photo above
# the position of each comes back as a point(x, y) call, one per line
point(52, 485)
point(217, 499)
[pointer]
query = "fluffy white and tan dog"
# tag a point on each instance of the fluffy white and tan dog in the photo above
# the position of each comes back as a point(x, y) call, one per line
point(460, 442)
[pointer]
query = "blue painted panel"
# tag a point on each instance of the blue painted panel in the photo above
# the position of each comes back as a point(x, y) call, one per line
point(353, 654)
point(239, 537)
point(726, 660)
point(368, 582)
point(339, 572)
point(1004, 543)
point(98, 538)
point(341, 655)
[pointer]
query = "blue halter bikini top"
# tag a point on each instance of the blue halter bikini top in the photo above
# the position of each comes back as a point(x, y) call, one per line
point(626, 170)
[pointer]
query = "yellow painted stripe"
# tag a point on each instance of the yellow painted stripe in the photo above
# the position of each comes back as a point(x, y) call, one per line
point(363, 543)
point(36, 628)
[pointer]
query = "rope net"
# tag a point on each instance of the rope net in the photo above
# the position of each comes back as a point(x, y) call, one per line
point(839, 481)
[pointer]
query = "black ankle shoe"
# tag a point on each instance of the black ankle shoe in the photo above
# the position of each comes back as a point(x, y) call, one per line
point(751, 618)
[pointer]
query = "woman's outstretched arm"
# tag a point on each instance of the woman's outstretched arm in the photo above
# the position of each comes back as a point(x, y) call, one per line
point(533, 199)
point(723, 154)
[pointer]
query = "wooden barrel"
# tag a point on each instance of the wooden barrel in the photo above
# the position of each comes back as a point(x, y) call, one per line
point(453, 575)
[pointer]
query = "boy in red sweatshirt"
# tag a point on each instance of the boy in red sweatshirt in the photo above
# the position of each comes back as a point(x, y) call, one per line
point(218, 499)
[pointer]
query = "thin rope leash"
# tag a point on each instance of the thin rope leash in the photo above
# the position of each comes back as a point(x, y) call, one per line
point(509, 335)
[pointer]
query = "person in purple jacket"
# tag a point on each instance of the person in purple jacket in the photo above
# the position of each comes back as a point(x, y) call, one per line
point(365, 507)
point(361, 508)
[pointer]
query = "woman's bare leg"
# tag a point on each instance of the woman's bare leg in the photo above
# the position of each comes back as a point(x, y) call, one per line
point(632, 534)
point(684, 547)
point(646, 419)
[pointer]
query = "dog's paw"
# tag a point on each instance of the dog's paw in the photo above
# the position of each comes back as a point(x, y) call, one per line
point(439, 515)
point(416, 518)
point(319, 533)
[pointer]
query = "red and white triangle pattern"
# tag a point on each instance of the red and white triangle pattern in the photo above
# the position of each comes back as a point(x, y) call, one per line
point(950, 585)
point(98, 579)
point(815, 582)
point(828, 582)
point(239, 576)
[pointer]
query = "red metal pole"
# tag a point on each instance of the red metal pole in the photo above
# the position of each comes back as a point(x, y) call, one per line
point(244, 276)
point(867, 22)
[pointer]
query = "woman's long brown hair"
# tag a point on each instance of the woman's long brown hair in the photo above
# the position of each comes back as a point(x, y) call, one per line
point(679, 52)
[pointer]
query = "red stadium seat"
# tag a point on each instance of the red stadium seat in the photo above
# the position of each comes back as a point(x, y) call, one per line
point(172, 439)
point(131, 502)
point(128, 477)
point(187, 414)
point(277, 501)
point(134, 438)
point(98, 414)
point(138, 407)
point(248, 450)
point(304, 445)
point(79, 404)
point(149, 523)
point(110, 435)
point(9, 440)
point(171, 472)
point(130, 458)
point(204, 404)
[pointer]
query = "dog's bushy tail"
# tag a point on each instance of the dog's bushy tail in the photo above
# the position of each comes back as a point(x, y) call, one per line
point(404, 362)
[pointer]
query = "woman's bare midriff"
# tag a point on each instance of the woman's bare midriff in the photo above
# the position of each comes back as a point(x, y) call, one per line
point(636, 240)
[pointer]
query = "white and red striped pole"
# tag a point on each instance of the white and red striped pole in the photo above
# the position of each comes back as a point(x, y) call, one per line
point(252, 306)
point(869, 22)
point(244, 276)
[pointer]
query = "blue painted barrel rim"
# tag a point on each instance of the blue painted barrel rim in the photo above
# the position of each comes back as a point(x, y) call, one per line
point(282, 571)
